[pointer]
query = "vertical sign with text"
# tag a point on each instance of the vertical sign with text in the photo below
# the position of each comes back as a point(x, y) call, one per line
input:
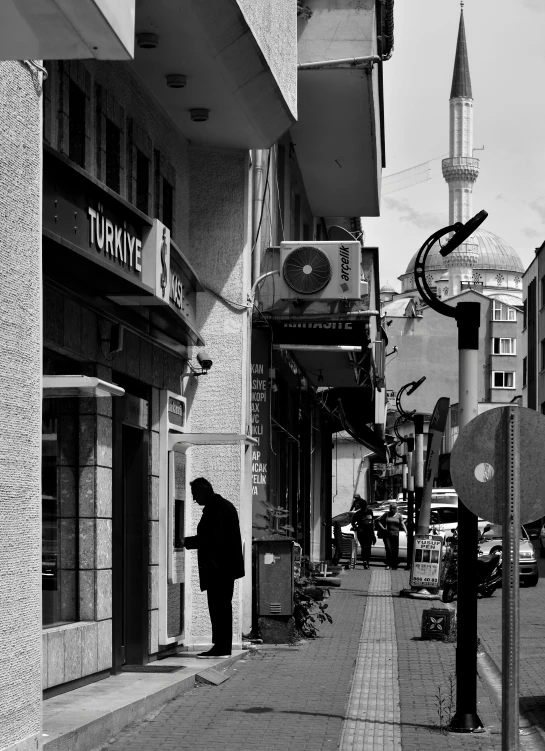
point(260, 428)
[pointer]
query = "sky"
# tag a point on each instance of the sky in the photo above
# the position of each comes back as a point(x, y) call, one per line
point(506, 51)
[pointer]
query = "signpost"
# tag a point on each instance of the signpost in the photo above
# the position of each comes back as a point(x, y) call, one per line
point(497, 467)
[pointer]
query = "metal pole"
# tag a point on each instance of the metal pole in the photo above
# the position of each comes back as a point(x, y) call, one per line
point(419, 461)
point(510, 583)
point(466, 719)
point(410, 502)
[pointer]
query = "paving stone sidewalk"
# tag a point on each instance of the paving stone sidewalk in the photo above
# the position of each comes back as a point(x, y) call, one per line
point(297, 698)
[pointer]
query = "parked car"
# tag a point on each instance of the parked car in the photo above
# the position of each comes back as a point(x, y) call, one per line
point(491, 542)
point(446, 496)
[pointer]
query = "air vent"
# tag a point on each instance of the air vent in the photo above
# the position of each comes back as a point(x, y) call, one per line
point(275, 608)
point(307, 270)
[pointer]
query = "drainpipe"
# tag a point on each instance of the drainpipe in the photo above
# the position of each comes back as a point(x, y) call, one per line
point(257, 190)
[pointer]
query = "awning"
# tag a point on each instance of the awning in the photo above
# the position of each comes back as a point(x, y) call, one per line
point(66, 386)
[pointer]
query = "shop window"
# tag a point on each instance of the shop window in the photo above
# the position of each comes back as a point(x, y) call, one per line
point(142, 181)
point(502, 379)
point(76, 129)
point(113, 156)
point(59, 520)
point(504, 346)
point(168, 204)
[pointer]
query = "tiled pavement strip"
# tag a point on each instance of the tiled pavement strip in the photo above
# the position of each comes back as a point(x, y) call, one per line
point(304, 699)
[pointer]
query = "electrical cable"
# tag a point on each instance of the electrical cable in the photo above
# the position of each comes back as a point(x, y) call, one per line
point(234, 304)
point(36, 66)
point(279, 209)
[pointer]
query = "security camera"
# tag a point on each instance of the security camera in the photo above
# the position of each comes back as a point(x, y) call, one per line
point(204, 359)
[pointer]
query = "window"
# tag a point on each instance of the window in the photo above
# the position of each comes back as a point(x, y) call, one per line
point(502, 379)
point(543, 354)
point(504, 346)
point(542, 291)
point(524, 370)
point(168, 204)
point(76, 129)
point(503, 312)
point(142, 182)
point(113, 156)
point(59, 521)
point(524, 308)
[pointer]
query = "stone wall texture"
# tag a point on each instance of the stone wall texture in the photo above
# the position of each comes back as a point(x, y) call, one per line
point(20, 406)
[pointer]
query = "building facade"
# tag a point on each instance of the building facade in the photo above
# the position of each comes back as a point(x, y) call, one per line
point(128, 194)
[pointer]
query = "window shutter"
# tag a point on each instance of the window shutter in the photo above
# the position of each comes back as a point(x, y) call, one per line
point(64, 106)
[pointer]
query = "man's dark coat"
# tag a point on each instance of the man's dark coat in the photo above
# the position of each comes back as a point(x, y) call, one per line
point(218, 543)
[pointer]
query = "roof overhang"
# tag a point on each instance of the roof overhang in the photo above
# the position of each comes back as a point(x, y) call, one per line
point(67, 29)
point(337, 140)
point(228, 69)
point(67, 386)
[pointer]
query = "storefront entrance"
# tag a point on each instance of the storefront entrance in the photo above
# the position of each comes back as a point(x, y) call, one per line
point(130, 531)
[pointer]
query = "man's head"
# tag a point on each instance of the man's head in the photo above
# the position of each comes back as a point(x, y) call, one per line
point(202, 491)
point(357, 501)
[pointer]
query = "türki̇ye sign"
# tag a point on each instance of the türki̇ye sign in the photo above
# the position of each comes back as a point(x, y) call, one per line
point(106, 229)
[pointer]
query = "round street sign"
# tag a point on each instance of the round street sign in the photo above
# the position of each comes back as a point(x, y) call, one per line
point(477, 465)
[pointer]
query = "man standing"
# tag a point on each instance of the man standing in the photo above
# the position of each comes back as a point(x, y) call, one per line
point(219, 550)
point(364, 524)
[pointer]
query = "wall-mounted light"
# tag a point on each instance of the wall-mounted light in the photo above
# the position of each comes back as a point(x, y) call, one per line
point(176, 80)
point(147, 41)
point(199, 115)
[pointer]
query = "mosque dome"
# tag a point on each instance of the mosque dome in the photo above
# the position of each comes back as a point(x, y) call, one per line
point(388, 288)
point(494, 254)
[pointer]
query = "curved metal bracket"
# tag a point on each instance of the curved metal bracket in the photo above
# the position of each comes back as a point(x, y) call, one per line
point(420, 272)
point(461, 233)
point(399, 421)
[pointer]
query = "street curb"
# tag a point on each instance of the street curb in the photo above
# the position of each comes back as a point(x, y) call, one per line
point(490, 674)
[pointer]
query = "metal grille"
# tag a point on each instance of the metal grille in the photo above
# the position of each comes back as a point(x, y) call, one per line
point(275, 608)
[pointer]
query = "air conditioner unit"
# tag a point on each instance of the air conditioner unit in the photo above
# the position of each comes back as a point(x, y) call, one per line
point(321, 271)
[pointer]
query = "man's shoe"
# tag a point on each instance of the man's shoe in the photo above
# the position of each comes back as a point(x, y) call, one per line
point(212, 654)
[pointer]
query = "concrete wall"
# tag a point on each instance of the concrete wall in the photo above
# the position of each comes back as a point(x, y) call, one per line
point(274, 26)
point(344, 28)
point(20, 407)
point(219, 402)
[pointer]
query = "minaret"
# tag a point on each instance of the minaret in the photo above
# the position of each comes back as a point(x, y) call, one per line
point(460, 170)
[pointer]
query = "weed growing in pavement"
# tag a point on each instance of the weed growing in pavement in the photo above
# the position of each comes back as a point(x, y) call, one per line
point(445, 702)
point(306, 611)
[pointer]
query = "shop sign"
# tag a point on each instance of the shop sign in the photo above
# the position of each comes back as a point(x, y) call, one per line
point(175, 412)
point(391, 399)
point(260, 428)
point(321, 332)
point(426, 568)
point(114, 241)
point(81, 214)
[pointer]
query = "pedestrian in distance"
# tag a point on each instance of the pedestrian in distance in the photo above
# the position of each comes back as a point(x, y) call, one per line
point(364, 524)
point(390, 524)
point(219, 554)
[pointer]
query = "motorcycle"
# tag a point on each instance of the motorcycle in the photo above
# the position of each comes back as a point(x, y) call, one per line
point(489, 573)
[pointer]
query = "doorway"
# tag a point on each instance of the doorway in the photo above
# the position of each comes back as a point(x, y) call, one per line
point(130, 532)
